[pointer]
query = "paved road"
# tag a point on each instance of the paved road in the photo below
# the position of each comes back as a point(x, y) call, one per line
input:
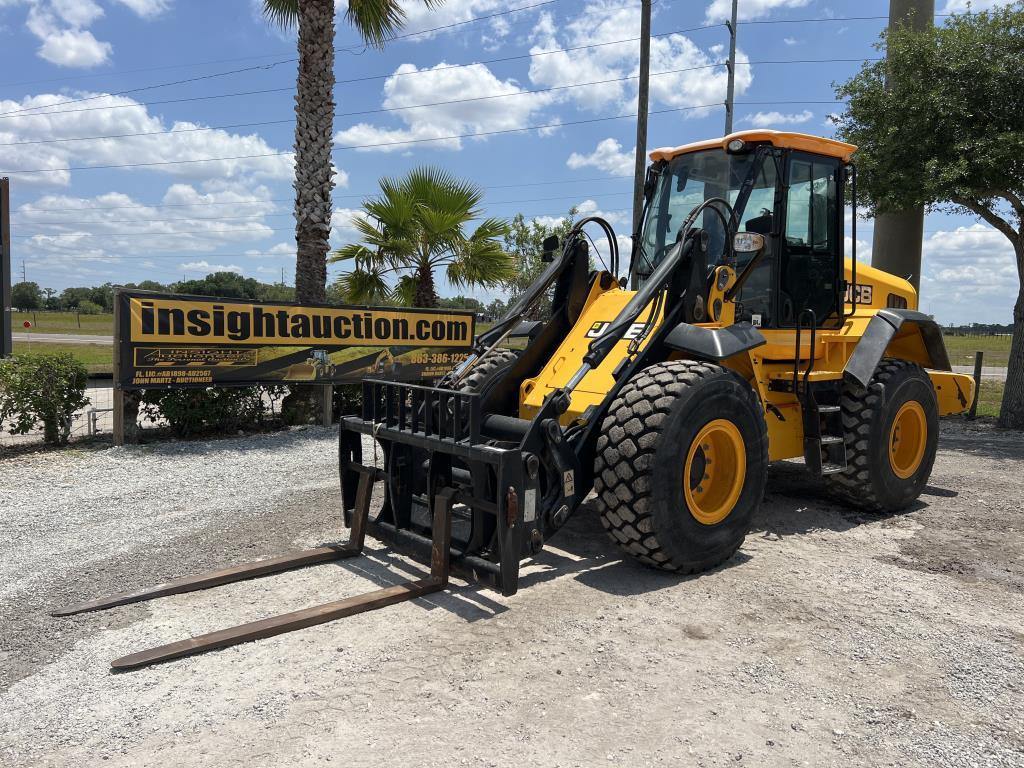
point(62, 338)
point(987, 371)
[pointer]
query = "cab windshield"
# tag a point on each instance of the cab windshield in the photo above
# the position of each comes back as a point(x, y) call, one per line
point(689, 180)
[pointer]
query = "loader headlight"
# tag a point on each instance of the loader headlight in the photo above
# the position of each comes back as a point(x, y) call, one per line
point(736, 146)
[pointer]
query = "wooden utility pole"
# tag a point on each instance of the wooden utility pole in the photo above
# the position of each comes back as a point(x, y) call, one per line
point(6, 345)
point(640, 164)
point(899, 235)
point(730, 87)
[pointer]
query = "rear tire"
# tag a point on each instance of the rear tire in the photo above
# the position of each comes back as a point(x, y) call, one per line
point(891, 431)
point(483, 373)
point(667, 432)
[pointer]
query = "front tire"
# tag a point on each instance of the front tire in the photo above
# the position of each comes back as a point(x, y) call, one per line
point(681, 465)
point(891, 431)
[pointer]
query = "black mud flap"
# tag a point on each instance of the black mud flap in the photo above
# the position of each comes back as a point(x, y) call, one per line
point(881, 330)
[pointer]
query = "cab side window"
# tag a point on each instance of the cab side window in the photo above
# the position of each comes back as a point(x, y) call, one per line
point(811, 247)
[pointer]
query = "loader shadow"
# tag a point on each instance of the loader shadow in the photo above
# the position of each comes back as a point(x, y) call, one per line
point(795, 504)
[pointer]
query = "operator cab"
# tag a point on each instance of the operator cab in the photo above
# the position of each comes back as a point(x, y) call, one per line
point(787, 187)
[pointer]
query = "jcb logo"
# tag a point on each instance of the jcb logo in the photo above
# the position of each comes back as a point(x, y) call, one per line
point(863, 292)
point(598, 329)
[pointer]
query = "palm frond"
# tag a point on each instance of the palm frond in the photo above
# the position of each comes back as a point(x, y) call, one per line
point(351, 252)
point(404, 293)
point(376, 21)
point(283, 13)
point(481, 261)
point(364, 286)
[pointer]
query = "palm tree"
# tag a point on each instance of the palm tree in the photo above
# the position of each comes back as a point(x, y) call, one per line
point(416, 226)
point(376, 21)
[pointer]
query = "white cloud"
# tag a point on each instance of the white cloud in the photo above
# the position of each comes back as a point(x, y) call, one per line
point(206, 267)
point(409, 86)
point(147, 9)
point(74, 48)
point(273, 252)
point(963, 6)
point(77, 13)
point(608, 157)
point(771, 119)
point(57, 121)
point(342, 229)
point(67, 232)
point(791, 41)
point(421, 16)
point(720, 10)
point(601, 21)
point(969, 275)
point(68, 46)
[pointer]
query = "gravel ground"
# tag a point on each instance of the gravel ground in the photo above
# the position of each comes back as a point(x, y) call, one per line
point(832, 638)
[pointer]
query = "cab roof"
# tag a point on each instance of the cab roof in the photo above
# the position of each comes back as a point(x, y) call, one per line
point(800, 141)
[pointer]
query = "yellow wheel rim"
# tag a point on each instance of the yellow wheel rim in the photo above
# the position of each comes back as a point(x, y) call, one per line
point(907, 439)
point(716, 466)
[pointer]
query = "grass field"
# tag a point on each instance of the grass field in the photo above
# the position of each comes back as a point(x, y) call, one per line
point(961, 349)
point(991, 397)
point(64, 322)
point(98, 358)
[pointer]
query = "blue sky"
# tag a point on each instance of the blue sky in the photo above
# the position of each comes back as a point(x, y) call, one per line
point(172, 219)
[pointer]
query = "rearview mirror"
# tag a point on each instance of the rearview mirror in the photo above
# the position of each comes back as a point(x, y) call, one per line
point(747, 242)
point(549, 246)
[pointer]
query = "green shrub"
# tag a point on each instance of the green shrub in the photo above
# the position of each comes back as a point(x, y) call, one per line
point(42, 389)
point(212, 410)
point(87, 307)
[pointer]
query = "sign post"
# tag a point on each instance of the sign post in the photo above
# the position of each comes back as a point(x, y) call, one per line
point(6, 339)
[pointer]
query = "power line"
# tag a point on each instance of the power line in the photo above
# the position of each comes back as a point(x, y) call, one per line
point(254, 201)
point(523, 129)
point(142, 88)
point(422, 106)
point(373, 111)
point(357, 79)
point(287, 61)
point(258, 216)
point(827, 19)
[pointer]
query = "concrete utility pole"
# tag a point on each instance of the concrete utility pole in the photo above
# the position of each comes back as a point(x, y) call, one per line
point(5, 268)
point(731, 64)
point(640, 163)
point(896, 247)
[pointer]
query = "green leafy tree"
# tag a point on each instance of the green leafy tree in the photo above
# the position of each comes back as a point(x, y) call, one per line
point(496, 309)
point(524, 242)
point(375, 21)
point(229, 285)
point(26, 296)
point(70, 298)
point(42, 389)
point(940, 122)
point(461, 302)
point(416, 226)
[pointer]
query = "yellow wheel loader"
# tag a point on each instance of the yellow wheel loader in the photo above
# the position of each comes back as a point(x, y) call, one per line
point(739, 335)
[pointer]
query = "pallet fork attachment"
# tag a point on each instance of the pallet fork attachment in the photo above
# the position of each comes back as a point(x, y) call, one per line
point(306, 617)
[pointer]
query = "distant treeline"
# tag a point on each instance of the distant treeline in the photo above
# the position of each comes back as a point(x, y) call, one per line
point(229, 285)
point(978, 329)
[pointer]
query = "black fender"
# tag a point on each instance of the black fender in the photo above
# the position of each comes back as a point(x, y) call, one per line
point(882, 329)
point(714, 343)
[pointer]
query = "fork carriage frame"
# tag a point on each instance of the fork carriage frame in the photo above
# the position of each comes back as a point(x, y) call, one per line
point(493, 462)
